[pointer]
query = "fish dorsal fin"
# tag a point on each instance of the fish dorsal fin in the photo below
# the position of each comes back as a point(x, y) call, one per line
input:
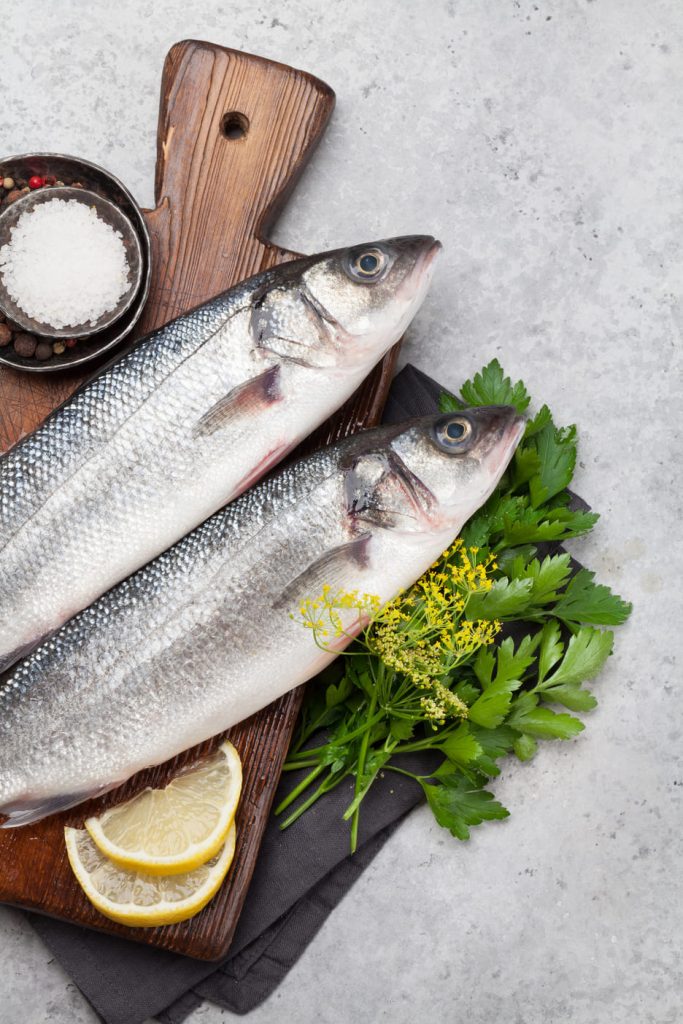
point(253, 394)
point(337, 568)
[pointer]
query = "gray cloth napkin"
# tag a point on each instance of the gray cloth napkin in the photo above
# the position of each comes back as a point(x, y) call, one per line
point(300, 877)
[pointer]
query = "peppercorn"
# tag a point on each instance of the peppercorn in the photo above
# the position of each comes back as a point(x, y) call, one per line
point(36, 181)
point(50, 179)
point(71, 342)
point(77, 184)
point(12, 196)
point(58, 348)
point(43, 350)
point(5, 335)
point(8, 183)
point(25, 345)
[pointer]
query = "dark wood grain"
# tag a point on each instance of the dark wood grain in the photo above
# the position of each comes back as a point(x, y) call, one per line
point(215, 200)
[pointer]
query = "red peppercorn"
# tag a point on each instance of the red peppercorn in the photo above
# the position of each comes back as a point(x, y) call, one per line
point(50, 179)
point(71, 342)
point(36, 181)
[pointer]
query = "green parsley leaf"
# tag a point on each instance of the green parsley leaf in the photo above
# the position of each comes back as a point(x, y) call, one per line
point(484, 664)
point(490, 520)
point(551, 650)
point(466, 691)
point(457, 806)
point(586, 653)
point(492, 387)
point(547, 577)
point(556, 447)
point(525, 464)
point(491, 708)
point(494, 743)
point(570, 695)
point(335, 695)
point(540, 420)
point(449, 402)
point(511, 663)
point(587, 602)
point(460, 747)
point(525, 747)
point(505, 598)
point(528, 718)
point(401, 728)
point(531, 525)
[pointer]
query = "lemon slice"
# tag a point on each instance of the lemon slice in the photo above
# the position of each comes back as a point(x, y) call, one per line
point(174, 830)
point(138, 899)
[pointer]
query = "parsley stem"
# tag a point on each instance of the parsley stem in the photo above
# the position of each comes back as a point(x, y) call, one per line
point(402, 771)
point(338, 740)
point(292, 766)
point(358, 799)
point(298, 790)
point(308, 731)
point(325, 786)
point(362, 754)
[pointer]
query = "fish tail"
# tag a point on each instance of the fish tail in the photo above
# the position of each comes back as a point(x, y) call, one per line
point(28, 812)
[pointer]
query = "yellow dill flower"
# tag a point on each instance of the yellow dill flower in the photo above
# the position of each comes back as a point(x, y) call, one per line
point(423, 635)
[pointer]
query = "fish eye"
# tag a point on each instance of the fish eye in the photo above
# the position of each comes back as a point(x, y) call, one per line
point(368, 264)
point(453, 431)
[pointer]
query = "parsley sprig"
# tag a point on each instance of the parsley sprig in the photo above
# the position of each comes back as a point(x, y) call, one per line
point(469, 699)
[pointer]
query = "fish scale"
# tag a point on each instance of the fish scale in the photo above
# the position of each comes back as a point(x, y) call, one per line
point(204, 636)
point(182, 424)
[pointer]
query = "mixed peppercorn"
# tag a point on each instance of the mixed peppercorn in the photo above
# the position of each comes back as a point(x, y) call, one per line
point(30, 346)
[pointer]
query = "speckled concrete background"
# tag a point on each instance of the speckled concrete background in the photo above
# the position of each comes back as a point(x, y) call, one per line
point(542, 142)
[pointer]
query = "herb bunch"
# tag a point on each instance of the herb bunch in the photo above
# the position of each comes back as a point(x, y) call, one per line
point(473, 661)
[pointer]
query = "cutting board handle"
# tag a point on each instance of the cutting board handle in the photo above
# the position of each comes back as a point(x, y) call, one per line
point(235, 132)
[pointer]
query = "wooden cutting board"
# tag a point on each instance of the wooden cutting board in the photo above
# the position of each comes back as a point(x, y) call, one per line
point(235, 132)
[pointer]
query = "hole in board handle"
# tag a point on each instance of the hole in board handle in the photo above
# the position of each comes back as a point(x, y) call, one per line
point(234, 125)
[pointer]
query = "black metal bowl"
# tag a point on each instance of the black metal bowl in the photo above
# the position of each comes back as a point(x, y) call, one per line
point(70, 169)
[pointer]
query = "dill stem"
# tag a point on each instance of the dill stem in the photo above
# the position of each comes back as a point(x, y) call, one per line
point(362, 754)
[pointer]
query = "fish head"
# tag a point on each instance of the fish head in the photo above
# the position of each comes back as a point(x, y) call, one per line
point(433, 473)
point(344, 309)
point(372, 291)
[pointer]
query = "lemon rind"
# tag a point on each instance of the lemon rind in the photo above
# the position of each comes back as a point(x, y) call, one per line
point(163, 913)
point(194, 856)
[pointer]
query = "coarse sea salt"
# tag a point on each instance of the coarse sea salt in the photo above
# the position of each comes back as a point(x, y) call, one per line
point(63, 266)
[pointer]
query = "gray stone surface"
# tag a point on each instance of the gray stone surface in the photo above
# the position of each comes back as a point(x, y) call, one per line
point(542, 142)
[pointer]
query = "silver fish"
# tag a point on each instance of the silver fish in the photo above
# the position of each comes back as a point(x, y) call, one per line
point(189, 419)
point(202, 637)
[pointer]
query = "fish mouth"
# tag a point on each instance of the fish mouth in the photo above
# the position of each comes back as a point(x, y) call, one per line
point(424, 249)
point(426, 259)
point(510, 437)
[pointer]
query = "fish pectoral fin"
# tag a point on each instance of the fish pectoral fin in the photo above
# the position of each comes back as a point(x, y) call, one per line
point(28, 812)
point(337, 568)
point(254, 393)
